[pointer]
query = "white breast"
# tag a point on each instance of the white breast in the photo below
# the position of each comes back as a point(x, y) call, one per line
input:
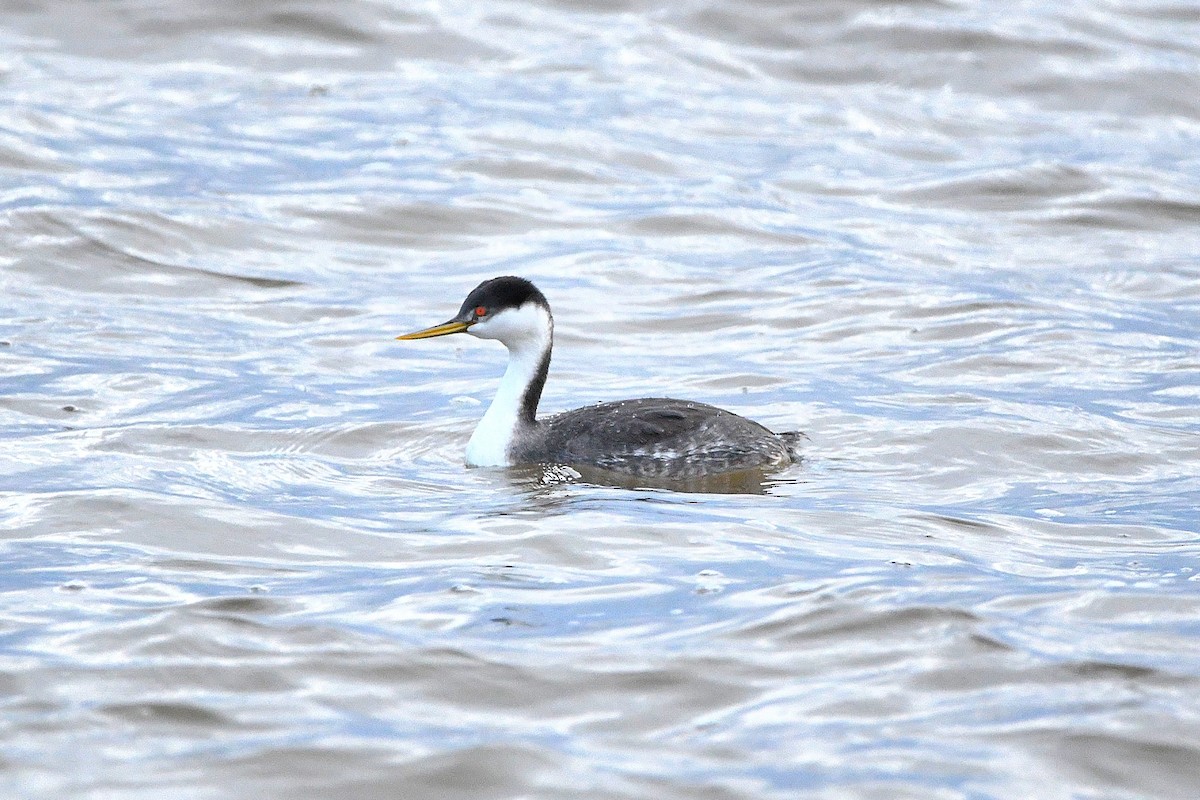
point(490, 442)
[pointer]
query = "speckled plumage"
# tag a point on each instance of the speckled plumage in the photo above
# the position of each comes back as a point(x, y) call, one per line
point(653, 436)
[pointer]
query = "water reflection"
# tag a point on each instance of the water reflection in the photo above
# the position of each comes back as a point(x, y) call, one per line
point(752, 481)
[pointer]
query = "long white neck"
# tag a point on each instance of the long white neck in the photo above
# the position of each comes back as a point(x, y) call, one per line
point(527, 332)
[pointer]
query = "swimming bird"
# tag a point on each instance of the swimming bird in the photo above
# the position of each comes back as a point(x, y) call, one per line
point(653, 437)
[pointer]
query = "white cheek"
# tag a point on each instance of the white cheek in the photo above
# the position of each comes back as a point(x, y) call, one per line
point(487, 329)
point(512, 326)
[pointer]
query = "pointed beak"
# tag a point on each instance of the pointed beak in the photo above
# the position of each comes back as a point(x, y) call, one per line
point(445, 329)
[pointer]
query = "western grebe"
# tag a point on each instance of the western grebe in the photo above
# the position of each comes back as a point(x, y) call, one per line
point(652, 437)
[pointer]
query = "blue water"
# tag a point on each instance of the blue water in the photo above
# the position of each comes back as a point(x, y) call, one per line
point(957, 247)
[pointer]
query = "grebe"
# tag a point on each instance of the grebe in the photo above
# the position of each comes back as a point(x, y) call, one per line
point(653, 437)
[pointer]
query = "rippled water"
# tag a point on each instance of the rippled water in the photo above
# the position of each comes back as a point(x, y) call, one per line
point(955, 244)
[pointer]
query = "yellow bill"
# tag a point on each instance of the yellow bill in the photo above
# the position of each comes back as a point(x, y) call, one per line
point(445, 329)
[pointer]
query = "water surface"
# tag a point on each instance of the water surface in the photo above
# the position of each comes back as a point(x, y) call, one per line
point(956, 246)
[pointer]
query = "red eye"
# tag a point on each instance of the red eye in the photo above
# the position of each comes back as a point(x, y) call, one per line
point(480, 311)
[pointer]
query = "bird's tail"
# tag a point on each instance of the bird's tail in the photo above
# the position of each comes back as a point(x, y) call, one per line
point(791, 440)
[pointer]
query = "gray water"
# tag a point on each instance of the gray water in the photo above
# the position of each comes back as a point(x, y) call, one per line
point(958, 245)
